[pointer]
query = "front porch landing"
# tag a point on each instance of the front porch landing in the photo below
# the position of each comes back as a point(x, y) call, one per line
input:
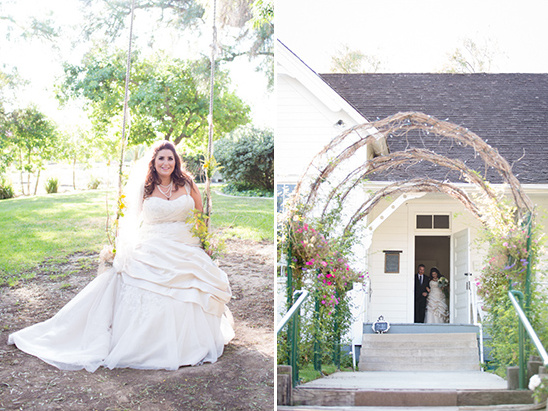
point(409, 389)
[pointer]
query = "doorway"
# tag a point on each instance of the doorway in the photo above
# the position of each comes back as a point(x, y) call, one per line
point(434, 251)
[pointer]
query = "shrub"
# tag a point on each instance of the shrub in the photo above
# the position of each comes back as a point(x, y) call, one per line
point(93, 183)
point(6, 188)
point(193, 164)
point(52, 185)
point(236, 188)
point(247, 157)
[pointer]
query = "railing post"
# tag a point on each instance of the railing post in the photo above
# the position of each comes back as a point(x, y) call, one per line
point(289, 290)
point(528, 275)
point(292, 318)
point(294, 347)
point(317, 345)
point(289, 282)
point(521, 336)
point(337, 344)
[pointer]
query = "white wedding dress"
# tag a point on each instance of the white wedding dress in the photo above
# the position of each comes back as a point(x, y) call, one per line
point(436, 307)
point(160, 308)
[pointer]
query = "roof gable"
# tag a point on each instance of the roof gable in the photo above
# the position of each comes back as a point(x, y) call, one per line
point(290, 64)
point(509, 111)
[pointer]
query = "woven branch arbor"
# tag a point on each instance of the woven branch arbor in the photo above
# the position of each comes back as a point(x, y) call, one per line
point(323, 175)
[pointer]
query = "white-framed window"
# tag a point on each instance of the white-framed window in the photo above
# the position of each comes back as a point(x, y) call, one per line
point(433, 222)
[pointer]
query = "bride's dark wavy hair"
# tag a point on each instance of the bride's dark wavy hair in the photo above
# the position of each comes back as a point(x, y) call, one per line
point(180, 176)
point(435, 270)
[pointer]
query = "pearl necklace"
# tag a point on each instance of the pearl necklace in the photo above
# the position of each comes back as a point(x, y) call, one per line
point(169, 189)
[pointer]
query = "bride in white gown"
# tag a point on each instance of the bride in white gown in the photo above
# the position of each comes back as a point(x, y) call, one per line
point(163, 303)
point(436, 306)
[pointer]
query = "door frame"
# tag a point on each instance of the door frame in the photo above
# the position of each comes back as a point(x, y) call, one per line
point(413, 211)
point(452, 283)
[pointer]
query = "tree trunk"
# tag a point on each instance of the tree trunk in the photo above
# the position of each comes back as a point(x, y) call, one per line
point(37, 179)
point(21, 171)
point(74, 173)
point(28, 174)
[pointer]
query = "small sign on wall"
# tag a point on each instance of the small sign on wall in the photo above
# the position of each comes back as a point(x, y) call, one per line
point(392, 261)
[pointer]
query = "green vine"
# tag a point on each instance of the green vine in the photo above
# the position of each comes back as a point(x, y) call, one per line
point(320, 263)
point(513, 248)
point(212, 244)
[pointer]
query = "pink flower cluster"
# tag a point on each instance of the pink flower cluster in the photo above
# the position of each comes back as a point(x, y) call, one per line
point(317, 257)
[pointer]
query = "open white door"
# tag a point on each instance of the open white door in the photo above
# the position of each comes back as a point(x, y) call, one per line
point(461, 263)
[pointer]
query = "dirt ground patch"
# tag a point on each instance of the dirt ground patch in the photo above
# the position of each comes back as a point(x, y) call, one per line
point(242, 379)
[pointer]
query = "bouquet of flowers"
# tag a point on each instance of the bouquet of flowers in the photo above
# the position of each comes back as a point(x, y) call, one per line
point(443, 283)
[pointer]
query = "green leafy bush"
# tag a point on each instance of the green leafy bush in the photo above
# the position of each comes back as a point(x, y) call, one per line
point(193, 164)
point(52, 185)
point(247, 157)
point(6, 189)
point(237, 189)
point(94, 183)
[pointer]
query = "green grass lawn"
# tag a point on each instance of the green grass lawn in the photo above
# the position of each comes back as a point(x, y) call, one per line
point(244, 217)
point(57, 225)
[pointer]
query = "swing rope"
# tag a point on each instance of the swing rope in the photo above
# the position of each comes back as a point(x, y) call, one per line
point(126, 98)
point(208, 164)
point(124, 138)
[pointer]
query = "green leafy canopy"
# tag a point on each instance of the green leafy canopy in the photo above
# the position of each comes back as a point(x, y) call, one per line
point(168, 97)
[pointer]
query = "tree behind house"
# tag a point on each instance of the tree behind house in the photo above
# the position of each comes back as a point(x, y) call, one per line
point(34, 140)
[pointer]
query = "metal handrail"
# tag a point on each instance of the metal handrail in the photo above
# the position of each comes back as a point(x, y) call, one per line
point(291, 312)
point(524, 323)
point(528, 327)
point(476, 318)
point(292, 333)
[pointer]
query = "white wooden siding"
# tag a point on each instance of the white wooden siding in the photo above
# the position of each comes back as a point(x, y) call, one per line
point(303, 127)
point(393, 294)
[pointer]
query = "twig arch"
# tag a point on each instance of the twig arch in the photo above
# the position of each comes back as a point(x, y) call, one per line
point(320, 169)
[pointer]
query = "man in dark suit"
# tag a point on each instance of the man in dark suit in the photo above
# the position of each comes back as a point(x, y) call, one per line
point(421, 282)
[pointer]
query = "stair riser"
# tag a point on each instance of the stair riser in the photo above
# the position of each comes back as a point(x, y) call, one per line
point(420, 360)
point(403, 354)
point(408, 398)
point(417, 352)
point(426, 329)
point(416, 367)
point(434, 338)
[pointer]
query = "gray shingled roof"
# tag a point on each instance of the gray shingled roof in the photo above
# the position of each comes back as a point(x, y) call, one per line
point(509, 111)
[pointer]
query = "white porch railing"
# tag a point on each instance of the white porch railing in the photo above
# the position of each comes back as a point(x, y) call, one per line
point(476, 314)
point(361, 297)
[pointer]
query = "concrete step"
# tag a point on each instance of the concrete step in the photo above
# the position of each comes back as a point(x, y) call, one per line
point(373, 350)
point(415, 343)
point(504, 407)
point(425, 338)
point(416, 352)
point(423, 367)
point(461, 390)
point(407, 398)
point(425, 328)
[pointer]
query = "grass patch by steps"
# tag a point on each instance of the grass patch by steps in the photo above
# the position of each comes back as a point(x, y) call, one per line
point(55, 226)
point(308, 373)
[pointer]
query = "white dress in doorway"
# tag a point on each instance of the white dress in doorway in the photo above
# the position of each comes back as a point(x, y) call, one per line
point(436, 306)
point(160, 308)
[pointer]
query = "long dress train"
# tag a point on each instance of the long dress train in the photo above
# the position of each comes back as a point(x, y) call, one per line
point(162, 308)
point(436, 307)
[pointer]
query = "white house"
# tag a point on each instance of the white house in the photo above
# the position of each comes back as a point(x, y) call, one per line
point(509, 111)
